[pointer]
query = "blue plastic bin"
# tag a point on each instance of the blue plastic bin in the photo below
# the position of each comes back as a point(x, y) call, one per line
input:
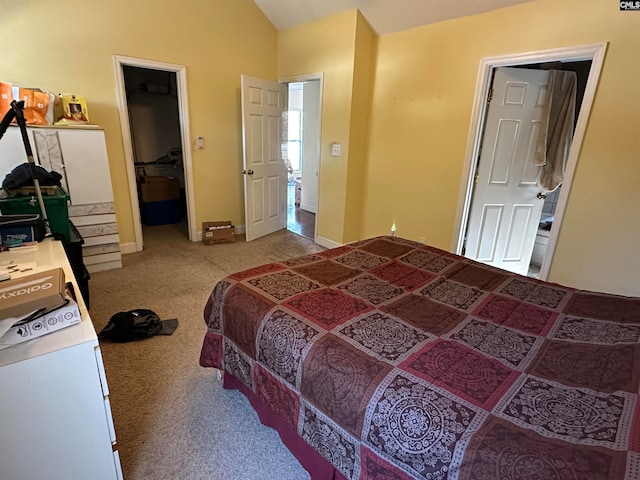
point(163, 212)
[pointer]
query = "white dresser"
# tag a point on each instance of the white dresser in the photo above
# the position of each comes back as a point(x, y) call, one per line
point(79, 154)
point(55, 416)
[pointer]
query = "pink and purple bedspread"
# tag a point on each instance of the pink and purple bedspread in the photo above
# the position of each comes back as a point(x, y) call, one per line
point(396, 360)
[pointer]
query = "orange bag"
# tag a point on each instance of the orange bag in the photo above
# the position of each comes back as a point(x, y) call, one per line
point(36, 105)
point(6, 97)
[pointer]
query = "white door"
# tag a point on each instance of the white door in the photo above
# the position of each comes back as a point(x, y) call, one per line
point(265, 174)
point(310, 145)
point(507, 201)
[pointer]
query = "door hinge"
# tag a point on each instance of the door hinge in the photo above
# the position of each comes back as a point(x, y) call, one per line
point(490, 95)
point(475, 179)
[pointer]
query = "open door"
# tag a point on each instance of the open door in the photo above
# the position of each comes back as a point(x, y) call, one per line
point(507, 201)
point(588, 60)
point(265, 174)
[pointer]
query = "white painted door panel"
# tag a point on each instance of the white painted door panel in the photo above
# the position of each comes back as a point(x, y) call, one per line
point(265, 174)
point(84, 154)
point(12, 151)
point(505, 208)
point(87, 166)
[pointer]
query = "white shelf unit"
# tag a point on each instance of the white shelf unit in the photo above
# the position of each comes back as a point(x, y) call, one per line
point(79, 154)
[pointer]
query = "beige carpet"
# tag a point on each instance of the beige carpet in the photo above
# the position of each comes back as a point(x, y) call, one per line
point(173, 420)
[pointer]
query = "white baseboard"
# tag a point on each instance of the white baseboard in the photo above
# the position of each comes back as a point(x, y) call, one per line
point(326, 243)
point(101, 267)
point(128, 247)
point(307, 208)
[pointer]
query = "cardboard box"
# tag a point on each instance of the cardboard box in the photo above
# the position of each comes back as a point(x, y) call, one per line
point(74, 108)
point(49, 322)
point(29, 293)
point(218, 232)
point(155, 188)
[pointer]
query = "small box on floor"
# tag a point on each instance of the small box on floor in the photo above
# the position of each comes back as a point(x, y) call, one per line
point(218, 232)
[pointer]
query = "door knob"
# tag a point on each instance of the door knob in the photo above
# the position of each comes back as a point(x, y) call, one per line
point(247, 172)
point(541, 195)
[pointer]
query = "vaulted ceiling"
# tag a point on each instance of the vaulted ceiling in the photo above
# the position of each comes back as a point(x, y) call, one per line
point(384, 16)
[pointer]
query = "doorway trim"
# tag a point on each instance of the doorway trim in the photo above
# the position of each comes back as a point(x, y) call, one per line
point(119, 62)
point(307, 78)
point(595, 53)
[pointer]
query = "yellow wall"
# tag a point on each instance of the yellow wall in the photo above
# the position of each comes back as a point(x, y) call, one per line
point(358, 140)
point(421, 109)
point(68, 46)
point(327, 46)
point(423, 85)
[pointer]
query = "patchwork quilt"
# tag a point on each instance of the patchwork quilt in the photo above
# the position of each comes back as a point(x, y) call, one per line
point(396, 360)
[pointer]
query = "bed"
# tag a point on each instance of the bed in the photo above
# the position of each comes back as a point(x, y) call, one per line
point(389, 359)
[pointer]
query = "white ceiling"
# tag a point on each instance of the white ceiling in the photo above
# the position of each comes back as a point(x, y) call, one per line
point(384, 16)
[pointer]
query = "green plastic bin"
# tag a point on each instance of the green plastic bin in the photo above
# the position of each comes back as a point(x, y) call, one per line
point(56, 206)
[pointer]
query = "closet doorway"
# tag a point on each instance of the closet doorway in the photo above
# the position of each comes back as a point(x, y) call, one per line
point(302, 155)
point(154, 122)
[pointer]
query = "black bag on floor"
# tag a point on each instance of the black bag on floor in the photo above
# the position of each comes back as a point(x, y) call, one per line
point(136, 324)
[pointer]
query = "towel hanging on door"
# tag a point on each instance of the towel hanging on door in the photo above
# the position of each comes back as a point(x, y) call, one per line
point(556, 128)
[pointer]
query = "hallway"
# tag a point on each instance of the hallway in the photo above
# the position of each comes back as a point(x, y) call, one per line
point(299, 221)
